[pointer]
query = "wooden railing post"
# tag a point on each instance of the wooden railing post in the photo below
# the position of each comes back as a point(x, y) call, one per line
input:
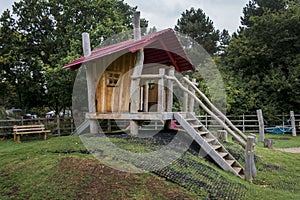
point(170, 92)
point(192, 100)
point(261, 125)
point(185, 96)
point(250, 169)
point(146, 97)
point(161, 91)
point(293, 123)
point(255, 138)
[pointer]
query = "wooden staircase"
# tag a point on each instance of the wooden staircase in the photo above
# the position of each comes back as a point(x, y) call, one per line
point(209, 143)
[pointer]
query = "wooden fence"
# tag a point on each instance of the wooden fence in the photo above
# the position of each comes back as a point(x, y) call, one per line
point(58, 126)
point(65, 126)
point(248, 123)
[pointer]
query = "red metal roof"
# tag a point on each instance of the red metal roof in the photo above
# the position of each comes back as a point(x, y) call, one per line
point(161, 47)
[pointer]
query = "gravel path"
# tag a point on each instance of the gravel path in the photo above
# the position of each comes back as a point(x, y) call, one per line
point(290, 150)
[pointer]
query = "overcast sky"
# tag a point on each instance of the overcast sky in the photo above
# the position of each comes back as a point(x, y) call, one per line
point(164, 13)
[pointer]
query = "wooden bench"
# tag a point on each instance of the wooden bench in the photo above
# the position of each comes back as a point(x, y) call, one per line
point(29, 129)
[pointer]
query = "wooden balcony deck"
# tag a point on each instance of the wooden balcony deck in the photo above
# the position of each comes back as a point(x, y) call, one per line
point(132, 116)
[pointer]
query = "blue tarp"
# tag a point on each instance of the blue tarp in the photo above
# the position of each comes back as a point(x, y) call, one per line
point(278, 129)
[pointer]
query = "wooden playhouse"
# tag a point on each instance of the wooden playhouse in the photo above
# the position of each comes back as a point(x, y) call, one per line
point(133, 80)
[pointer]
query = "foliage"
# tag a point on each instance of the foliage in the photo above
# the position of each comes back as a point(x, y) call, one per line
point(20, 74)
point(39, 37)
point(3, 114)
point(261, 65)
point(59, 82)
point(199, 27)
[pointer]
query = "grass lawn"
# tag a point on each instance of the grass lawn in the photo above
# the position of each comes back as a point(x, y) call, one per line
point(61, 168)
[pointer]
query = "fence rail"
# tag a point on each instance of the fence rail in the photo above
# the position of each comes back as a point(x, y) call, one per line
point(65, 126)
point(58, 126)
point(246, 123)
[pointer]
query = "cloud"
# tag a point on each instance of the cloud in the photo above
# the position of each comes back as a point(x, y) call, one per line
point(5, 4)
point(165, 13)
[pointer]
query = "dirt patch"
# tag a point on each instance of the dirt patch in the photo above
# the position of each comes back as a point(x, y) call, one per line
point(290, 150)
point(89, 179)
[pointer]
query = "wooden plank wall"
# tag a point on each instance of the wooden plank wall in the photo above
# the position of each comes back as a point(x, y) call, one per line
point(115, 99)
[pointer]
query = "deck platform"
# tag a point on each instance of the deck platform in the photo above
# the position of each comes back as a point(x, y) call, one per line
point(133, 116)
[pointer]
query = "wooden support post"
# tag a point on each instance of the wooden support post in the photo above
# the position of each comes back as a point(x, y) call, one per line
point(86, 44)
point(137, 71)
point(91, 81)
point(255, 138)
point(192, 100)
point(72, 125)
point(170, 92)
point(161, 92)
point(185, 96)
point(109, 126)
point(268, 143)
point(244, 129)
point(137, 25)
point(146, 97)
point(222, 135)
point(261, 125)
point(250, 169)
point(293, 123)
point(58, 124)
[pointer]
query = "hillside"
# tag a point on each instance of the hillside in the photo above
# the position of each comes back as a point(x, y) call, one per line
point(61, 168)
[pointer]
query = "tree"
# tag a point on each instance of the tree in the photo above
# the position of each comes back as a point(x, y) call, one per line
point(59, 82)
point(262, 63)
point(258, 8)
point(199, 27)
point(20, 74)
point(224, 41)
point(45, 35)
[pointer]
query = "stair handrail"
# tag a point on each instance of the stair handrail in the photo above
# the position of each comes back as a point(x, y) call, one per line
point(215, 109)
point(215, 117)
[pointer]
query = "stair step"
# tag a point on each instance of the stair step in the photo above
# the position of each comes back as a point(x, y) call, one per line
point(191, 119)
point(202, 132)
point(193, 126)
point(223, 154)
point(196, 126)
point(209, 140)
point(230, 162)
point(216, 146)
point(237, 169)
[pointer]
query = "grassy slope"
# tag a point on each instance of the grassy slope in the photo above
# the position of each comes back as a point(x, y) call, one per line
point(278, 175)
point(59, 169)
point(40, 170)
